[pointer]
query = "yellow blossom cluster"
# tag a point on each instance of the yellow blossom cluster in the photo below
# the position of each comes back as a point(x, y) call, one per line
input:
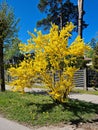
point(78, 47)
point(21, 74)
point(52, 57)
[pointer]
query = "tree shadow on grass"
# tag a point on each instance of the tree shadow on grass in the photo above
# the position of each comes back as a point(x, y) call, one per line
point(43, 106)
point(79, 109)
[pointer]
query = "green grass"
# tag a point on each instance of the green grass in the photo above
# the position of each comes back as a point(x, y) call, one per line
point(90, 91)
point(39, 109)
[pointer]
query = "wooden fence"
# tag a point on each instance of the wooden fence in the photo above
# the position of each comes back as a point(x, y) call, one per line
point(83, 78)
point(80, 78)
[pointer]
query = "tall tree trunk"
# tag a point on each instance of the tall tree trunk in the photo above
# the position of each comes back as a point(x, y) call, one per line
point(60, 15)
point(2, 78)
point(80, 17)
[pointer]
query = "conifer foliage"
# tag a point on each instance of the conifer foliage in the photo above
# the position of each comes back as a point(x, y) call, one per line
point(59, 12)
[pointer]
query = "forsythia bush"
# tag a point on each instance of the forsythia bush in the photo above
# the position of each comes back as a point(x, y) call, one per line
point(52, 56)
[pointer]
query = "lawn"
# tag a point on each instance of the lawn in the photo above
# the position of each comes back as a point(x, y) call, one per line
point(89, 91)
point(39, 109)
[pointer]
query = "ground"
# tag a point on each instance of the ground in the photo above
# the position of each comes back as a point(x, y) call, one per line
point(81, 126)
point(89, 125)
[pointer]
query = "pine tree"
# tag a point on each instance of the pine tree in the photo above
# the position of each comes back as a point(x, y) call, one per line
point(59, 12)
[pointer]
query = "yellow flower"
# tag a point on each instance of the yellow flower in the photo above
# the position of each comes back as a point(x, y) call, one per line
point(52, 58)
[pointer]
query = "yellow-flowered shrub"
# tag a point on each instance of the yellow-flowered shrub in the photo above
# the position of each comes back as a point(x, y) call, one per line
point(52, 57)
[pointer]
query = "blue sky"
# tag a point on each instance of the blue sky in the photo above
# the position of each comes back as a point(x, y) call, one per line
point(29, 14)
